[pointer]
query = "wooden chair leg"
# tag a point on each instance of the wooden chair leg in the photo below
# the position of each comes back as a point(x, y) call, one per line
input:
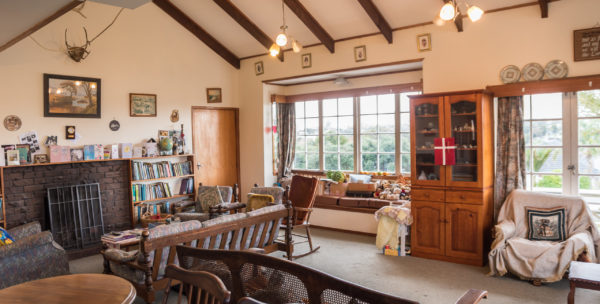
point(571, 297)
point(312, 249)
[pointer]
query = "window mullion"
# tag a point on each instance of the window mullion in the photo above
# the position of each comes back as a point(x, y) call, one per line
point(357, 153)
point(573, 122)
point(398, 153)
point(321, 158)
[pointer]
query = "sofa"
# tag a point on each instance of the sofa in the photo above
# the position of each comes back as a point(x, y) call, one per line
point(145, 268)
point(33, 255)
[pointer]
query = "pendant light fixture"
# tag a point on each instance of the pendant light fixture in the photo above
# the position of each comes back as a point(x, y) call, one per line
point(282, 38)
point(450, 11)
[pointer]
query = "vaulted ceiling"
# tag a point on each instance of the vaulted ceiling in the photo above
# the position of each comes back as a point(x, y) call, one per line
point(309, 21)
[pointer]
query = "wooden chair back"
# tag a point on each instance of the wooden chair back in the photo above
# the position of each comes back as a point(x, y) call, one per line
point(302, 194)
point(202, 286)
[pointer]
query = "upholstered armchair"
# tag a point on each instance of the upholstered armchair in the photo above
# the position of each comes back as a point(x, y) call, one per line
point(259, 197)
point(211, 201)
point(514, 249)
point(33, 255)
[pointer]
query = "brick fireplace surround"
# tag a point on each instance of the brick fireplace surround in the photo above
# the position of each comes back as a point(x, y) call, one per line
point(25, 190)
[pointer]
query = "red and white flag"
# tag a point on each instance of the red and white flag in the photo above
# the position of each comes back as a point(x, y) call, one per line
point(445, 151)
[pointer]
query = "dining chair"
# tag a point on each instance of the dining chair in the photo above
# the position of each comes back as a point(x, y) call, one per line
point(200, 286)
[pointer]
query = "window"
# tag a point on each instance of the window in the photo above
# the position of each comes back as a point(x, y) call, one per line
point(307, 135)
point(562, 138)
point(368, 133)
point(338, 130)
point(378, 133)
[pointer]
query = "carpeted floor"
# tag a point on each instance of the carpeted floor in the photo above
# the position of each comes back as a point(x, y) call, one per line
point(355, 258)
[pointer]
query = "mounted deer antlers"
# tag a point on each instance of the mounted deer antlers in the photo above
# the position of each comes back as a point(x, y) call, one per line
point(78, 53)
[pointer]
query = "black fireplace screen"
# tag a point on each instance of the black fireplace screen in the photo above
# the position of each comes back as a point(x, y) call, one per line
point(76, 215)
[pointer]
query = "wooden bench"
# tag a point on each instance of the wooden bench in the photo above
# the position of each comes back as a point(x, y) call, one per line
point(257, 230)
point(583, 275)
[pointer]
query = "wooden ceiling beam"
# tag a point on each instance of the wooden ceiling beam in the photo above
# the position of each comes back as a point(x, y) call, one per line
point(61, 11)
point(544, 8)
point(378, 19)
point(458, 20)
point(198, 31)
point(247, 24)
point(312, 24)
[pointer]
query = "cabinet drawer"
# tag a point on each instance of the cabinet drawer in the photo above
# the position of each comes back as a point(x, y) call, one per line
point(466, 197)
point(427, 195)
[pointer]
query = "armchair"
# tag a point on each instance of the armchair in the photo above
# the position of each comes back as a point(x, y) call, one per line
point(34, 255)
point(209, 203)
point(541, 261)
point(264, 196)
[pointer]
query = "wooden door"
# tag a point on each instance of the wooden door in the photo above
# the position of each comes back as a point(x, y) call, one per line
point(215, 133)
point(464, 231)
point(428, 227)
point(463, 114)
point(426, 124)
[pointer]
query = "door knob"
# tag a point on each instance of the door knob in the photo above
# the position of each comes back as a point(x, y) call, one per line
point(199, 165)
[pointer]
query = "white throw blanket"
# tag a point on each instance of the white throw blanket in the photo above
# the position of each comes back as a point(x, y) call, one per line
point(544, 260)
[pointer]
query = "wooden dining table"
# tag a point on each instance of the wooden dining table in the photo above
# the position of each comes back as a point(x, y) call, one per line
point(74, 288)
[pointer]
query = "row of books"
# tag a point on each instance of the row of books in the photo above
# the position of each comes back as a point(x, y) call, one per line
point(115, 241)
point(143, 171)
point(144, 192)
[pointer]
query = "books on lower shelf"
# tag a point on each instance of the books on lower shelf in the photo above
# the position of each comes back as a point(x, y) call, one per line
point(153, 208)
point(144, 171)
point(144, 192)
point(125, 237)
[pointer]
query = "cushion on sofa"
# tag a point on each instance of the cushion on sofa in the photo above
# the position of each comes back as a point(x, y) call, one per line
point(321, 200)
point(349, 201)
point(224, 219)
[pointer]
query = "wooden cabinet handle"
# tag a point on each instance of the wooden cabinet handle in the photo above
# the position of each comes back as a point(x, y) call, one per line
point(462, 196)
point(426, 194)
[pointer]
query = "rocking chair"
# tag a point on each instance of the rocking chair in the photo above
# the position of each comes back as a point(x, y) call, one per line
point(302, 195)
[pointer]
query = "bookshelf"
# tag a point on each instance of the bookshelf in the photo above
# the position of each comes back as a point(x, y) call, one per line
point(158, 180)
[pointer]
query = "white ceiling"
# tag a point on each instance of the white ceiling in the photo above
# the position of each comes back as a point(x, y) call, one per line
point(340, 18)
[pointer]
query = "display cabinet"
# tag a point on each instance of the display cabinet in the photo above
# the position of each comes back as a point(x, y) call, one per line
point(452, 193)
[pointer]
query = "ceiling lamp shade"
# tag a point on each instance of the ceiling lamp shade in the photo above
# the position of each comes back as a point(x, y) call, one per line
point(281, 39)
point(438, 21)
point(448, 11)
point(474, 13)
point(274, 50)
point(296, 46)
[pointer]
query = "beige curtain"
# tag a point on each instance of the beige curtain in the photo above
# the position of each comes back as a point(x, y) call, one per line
point(510, 150)
point(286, 128)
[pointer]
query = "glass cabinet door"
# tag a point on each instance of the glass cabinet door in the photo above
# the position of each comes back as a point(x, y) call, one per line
point(462, 125)
point(426, 123)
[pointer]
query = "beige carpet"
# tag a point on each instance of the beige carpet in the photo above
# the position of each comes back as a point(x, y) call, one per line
point(355, 258)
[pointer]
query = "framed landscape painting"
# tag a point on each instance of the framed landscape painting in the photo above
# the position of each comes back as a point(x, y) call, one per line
point(71, 96)
point(142, 105)
point(213, 95)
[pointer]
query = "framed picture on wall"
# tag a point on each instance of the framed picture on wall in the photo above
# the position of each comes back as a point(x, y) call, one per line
point(360, 53)
point(142, 105)
point(213, 95)
point(71, 96)
point(586, 44)
point(259, 69)
point(424, 42)
point(306, 61)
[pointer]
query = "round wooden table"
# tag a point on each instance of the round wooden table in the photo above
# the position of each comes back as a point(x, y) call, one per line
point(75, 288)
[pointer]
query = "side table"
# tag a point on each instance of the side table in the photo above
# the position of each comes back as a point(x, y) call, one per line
point(583, 275)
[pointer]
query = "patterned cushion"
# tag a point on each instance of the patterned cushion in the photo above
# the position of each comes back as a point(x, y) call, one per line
point(275, 192)
point(546, 224)
point(5, 238)
point(208, 197)
point(224, 219)
point(266, 210)
point(120, 255)
point(174, 228)
point(190, 216)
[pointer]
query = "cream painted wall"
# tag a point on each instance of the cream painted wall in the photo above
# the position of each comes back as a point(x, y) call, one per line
point(458, 61)
point(145, 51)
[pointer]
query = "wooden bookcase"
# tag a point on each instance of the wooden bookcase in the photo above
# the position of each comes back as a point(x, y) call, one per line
point(452, 205)
point(173, 181)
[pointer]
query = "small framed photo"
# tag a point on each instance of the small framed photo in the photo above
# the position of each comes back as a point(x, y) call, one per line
point(40, 158)
point(213, 95)
point(259, 69)
point(306, 61)
point(424, 42)
point(142, 105)
point(360, 53)
point(76, 154)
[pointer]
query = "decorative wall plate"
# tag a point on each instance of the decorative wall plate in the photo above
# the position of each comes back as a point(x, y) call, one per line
point(114, 125)
point(12, 122)
point(510, 74)
point(556, 69)
point(532, 71)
